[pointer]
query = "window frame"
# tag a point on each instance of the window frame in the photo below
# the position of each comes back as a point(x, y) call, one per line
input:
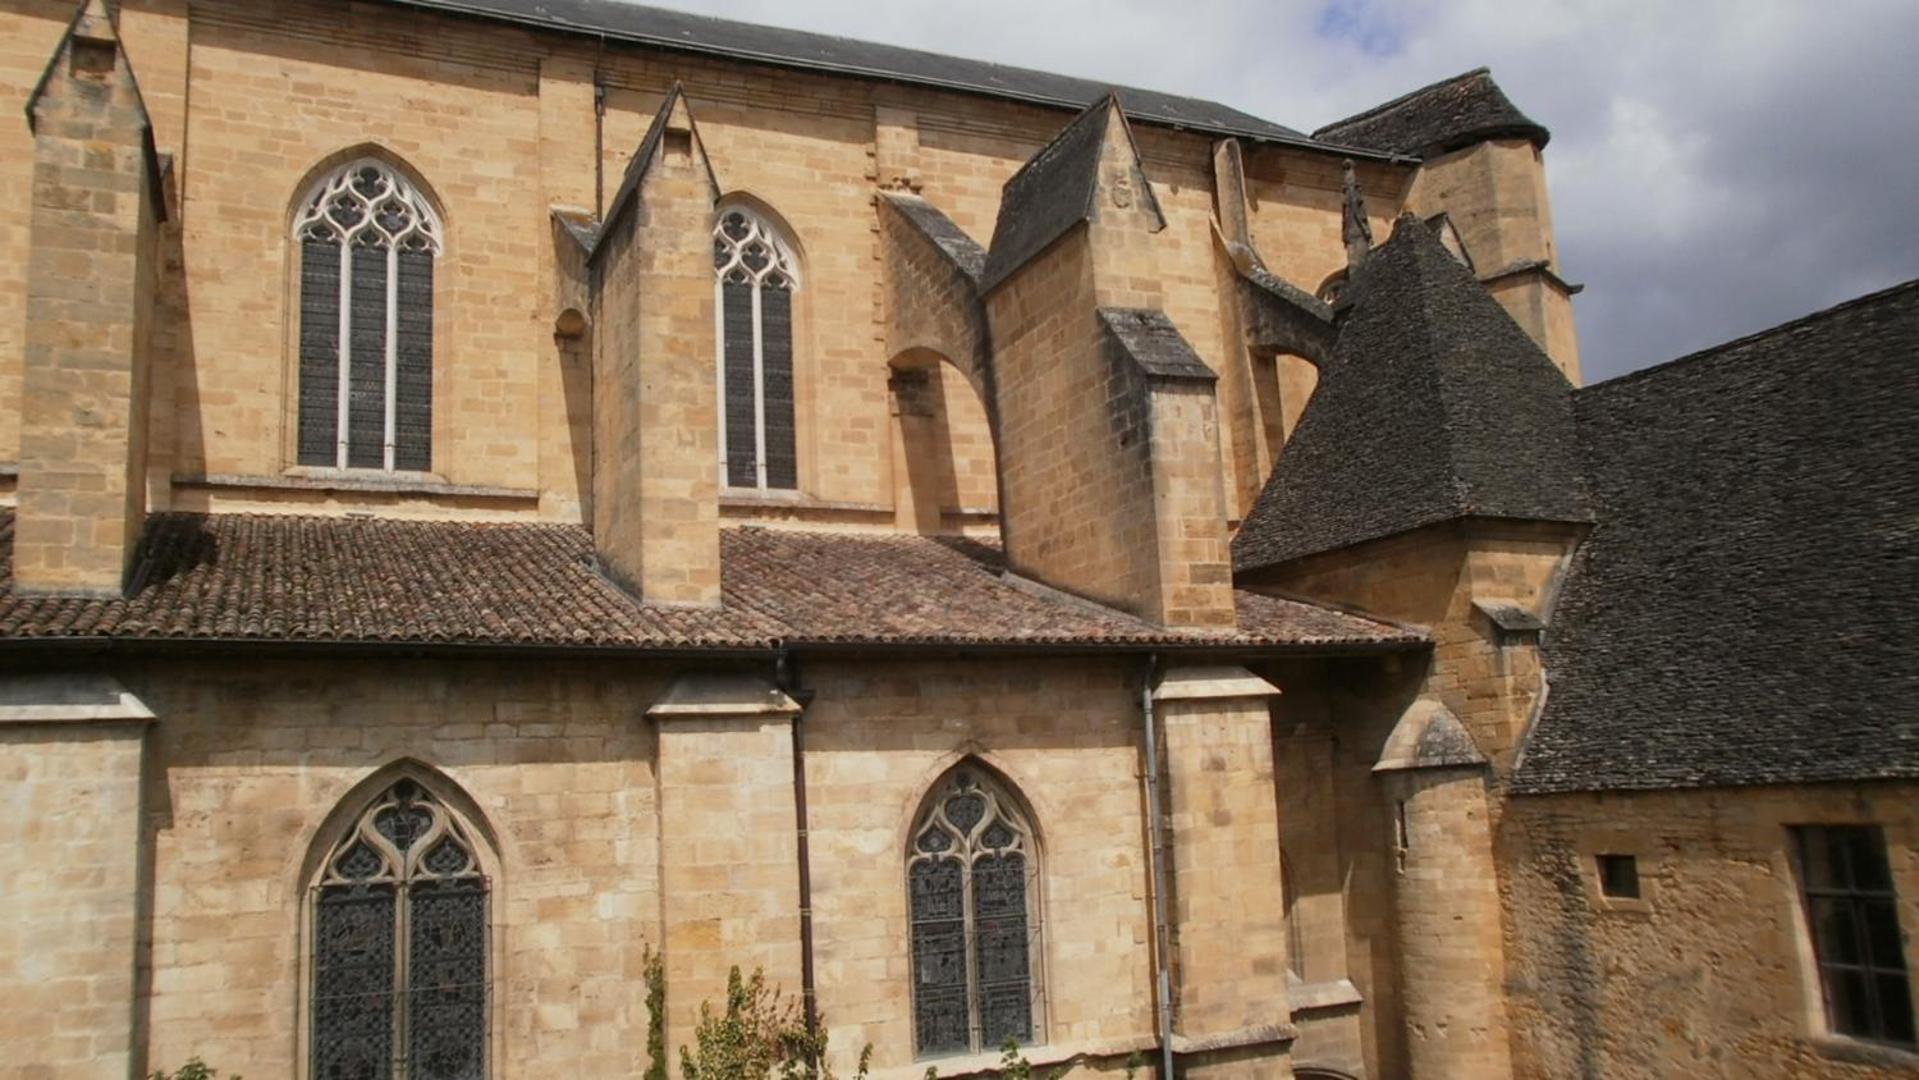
point(338, 829)
point(1857, 898)
point(1010, 806)
point(309, 209)
point(764, 227)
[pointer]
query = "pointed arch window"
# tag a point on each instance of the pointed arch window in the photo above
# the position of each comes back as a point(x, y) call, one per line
point(756, 274)
point(400, 947)
point(972, 885)
point(367, 240)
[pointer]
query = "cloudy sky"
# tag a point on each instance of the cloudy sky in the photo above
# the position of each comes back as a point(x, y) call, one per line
point(1717, 166)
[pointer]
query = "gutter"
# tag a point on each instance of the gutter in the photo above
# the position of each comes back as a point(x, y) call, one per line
point(879, 74)
point(771, 650)
point(1156, 872)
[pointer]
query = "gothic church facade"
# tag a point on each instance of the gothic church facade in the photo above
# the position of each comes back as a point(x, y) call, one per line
point(500, 491)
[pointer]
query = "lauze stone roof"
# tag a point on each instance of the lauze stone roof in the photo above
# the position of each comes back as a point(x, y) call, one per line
point(1743, 613)
point(1435, 119)
point(1436, 406)
point(283, 579)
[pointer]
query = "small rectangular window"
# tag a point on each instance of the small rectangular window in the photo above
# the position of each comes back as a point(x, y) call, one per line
point(1852, 914)
point(1619, 876)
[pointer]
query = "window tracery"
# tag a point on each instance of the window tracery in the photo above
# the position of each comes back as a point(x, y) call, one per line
point(756, 274)
point(368, 240)
point(400, 947)
point(971, 877)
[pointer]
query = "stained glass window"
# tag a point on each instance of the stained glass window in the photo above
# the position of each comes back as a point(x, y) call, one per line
point(399, 948)
point(755, 276)
point(970, 882)
point(367, 241)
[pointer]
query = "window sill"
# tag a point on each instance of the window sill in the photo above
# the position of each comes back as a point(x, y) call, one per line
point(1040, 1057)
point(1856, 1051)
point(751, 499)
point(310, 479)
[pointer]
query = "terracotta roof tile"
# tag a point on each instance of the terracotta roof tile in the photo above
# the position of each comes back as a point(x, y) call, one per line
point(353, 580)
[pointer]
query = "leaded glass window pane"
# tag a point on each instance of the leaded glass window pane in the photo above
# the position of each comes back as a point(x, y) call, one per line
point(367, 242)
point(400, 948)
point(755, 274)
point(970, 880)
point(1852, 914)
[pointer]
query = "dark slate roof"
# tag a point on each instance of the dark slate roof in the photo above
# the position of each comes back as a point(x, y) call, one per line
point(1154, 343)
point(1055, 190)
point(1747, 609)
point(1436, 406)
point(1447, 115)
point(636, 24)
point(356, 581)
point(642, 159)
point(949, 238)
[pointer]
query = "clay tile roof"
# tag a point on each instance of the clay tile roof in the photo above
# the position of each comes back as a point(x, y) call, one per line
point(1744, 611)
point(1436, 406)
point(1435, 119)
point(255, 578)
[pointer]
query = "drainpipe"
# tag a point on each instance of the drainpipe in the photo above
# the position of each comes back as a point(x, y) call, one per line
point(786, 675)
point(1156, 871)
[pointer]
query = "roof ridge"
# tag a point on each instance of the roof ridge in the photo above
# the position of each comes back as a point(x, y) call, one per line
point(1790, 325)
point(1403, 99)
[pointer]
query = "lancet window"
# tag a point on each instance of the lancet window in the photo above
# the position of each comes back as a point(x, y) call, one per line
point(972, 884)
point(367, 240)
point(756, 274)
point(399, 955)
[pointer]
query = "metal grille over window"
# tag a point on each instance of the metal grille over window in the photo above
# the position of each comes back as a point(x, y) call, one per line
point(972, 882)
point(367, 242)
point(1853, 914)
point(756, 274)
point(399, 948)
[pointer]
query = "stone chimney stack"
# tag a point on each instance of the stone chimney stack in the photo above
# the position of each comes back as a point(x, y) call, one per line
point(95, 210)
point(656, 512)
point(1108, 421)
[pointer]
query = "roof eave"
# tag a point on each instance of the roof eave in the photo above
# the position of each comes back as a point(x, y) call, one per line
point(795, 63)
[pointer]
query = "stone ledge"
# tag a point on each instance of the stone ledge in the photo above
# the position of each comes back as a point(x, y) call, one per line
point(711, 695)
point(322, 480)
point(1237, 1039)
point(1317, 996)
point(1222, 681)
point(68, 699)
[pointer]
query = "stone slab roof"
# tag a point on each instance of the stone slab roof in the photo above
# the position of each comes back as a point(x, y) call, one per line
point(1747, 609)
point(1436, 407)
point(615, 20)
point(1435, 119)
point(1056, 189)
point(358, 581)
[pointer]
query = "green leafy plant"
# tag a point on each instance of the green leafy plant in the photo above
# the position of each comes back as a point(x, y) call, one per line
point(759, 1034)
point(654, 972)
point(194, 1069)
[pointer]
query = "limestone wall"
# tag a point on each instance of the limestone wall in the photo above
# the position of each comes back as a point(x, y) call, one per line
point(497, 122)
point(69, 886)
point(1066, 735)
point(1711, 975)
point(249, 761)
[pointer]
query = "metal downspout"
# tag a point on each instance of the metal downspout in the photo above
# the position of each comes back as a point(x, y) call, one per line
point(787, 678)
point(1156, 870)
